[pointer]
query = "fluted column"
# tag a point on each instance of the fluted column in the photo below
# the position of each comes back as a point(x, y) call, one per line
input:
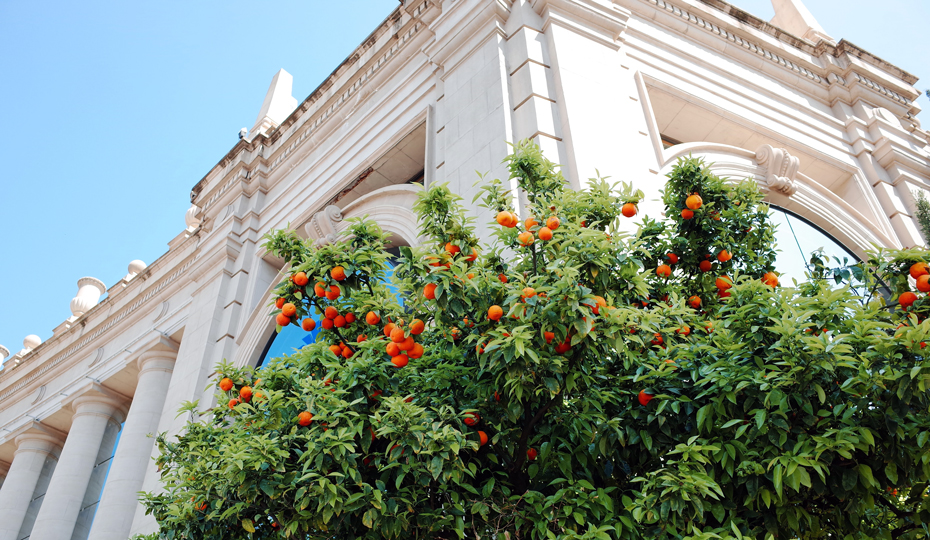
point(33, 448)
point(93, 408)
point(117, 507)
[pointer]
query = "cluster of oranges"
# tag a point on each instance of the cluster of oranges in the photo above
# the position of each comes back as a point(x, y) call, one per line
point(401, 345)
point(471, 420)
point(692, 203)
point(526, 238)
point(243, 395)
point(921, 274)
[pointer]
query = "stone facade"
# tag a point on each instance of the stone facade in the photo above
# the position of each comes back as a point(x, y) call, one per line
point(434, 95)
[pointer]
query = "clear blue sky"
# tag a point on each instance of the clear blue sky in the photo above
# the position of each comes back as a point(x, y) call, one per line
point(112, 111)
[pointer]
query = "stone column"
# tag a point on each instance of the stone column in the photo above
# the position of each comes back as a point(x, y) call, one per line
point(94, 408)
point(33, 447)
point(117, 507)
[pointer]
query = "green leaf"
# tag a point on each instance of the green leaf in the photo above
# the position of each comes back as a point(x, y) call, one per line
point(248, 526)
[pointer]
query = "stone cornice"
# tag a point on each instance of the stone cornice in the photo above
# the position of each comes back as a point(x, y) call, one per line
point(332, 94)
point(828, 74)
point(38, 366)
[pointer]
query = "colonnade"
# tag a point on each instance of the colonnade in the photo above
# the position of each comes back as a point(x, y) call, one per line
point(94, 408)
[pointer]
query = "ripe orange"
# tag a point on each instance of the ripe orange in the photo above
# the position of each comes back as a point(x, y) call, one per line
point(644, 398)
point(452, 249)
point(531, 454)
point(705, 266)
point(400, 360)
point(289, 309)
point(301, 279)
point(233, 402)
point(308, 324)
point(347, 352)
point(553, 223)
point(333, 292)
point(695, 302)
point(279, 303)
point(416, 351)
point(397, 335)
point(327, 324)
point(628, 210)
point(502, 277)
point(919, 269)
point(471, 419)
point(684, 331)
point(339, 321)
point(923, 283)
point(723, 283)
point(338, 273)
point(336, 349)
point(372, 318)
point(361, 338)
point(907, 299)
point(304, 419)
point(549, 337)
point(770, 279)
point(226, 384)
point(473, 257)
point(694, 201)
point(503, 218)
point(530, 223)
point(388, 328)
point(545, 234)
point(417, 326)
point(495, 313)
point(350, 318)
point(672, 258)
point(528, 292)
point(331, 312)
point(599, 303)
point(687, 214)
point(392, 349)
point(282, 319)
point(406, 344)
point(724, 256)
point(525, 238)
point(657, 339)
point(320, 289)
point(483, 438)
point(245, 393)
point(430, 291)
point(664, 271)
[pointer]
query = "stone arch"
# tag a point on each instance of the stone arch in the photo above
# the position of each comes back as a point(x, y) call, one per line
point(776, 172)
point(391, 207)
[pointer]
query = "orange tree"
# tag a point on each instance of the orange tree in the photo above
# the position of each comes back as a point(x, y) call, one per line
point(569, 380)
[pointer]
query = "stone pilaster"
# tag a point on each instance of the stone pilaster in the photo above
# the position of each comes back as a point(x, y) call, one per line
point(94, 408)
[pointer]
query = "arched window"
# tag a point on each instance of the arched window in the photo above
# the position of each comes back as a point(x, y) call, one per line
point(293, 338)
point(796, 239)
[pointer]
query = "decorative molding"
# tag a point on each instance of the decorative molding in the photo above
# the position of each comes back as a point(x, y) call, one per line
point(323, 225)
point(781, 168)
point(164, 310)
point(39, 394)
point(887, 92)
point(741, 41)
point(98, 357)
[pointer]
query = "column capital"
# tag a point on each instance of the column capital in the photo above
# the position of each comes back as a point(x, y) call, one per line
point(96, 399)
point(37, 437)
point(157, 353)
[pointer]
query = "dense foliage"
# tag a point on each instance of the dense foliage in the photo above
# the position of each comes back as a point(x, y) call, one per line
point(608, 398)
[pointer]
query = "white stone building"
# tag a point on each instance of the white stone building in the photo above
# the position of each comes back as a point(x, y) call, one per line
point(433, 95)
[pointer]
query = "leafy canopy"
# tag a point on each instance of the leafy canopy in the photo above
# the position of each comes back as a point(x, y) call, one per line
point(612, 406)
